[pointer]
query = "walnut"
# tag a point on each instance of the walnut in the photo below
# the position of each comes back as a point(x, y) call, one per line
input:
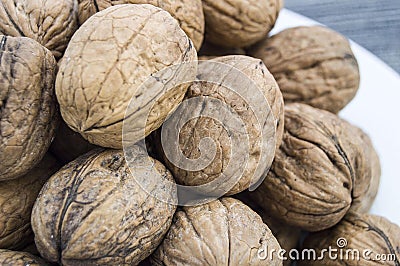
point(69, 145)
point(94, 211)
point(16, 201)
point(322, 166)
point(189, 13)
point(238, 23)
point(51, 23)
point(221, 232)
point(105, 64)
point(260, 153)
point(288, 236)
point(28, 107)
point(368, 236)
point(17, 258)
point(312, 65)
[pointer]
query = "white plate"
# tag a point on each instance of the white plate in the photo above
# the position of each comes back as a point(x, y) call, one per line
point(375, 109)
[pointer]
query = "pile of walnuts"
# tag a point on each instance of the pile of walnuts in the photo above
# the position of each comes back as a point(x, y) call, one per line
point(137, 132)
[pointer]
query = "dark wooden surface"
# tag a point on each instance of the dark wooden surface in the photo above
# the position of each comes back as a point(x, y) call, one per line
point(374, 25)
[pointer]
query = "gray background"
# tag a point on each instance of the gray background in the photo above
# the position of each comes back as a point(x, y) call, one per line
point(375, 25)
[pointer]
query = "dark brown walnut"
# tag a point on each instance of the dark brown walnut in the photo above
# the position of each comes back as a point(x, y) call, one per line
point(69, 145)
point(322, 166)
point(189, 13)
point(19, 258)
point(16, 202)
point(238, 23)
point(362, 239)
point(107, 61)
point(312, 65)
point(51, 23)
point(288, 236)
point(94, 211)
point(222, 232)
point(260, 154)
point(28, 107)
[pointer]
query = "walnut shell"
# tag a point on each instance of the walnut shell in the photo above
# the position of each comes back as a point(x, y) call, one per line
point(312, 65)
point(221, 232)
point(19, 258)
point(373, 234)
point(107, 60)
point(192, 133)
point(322, 165)
point(51, 23)
point(16, 202)
point(238, 23)
point(28, 107)
point(69, 145)
point(189, 13)
point(94, 212)
point(288, 236)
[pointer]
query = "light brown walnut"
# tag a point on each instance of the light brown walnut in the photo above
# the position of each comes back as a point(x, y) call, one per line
point(192, 133)
point(51, 23)
point(28, 106)
point(323, 165)
point(222, 232)
point(312, 65)
point(363, 234)
point(16, 202)
point(19, 258)
point(94, 211)
point(189, 13)
point(239, 23)
point(105, 64)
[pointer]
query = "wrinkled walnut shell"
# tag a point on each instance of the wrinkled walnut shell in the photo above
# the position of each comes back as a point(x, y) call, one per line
point(312, 65)
point(238, 23)
point(288, 237)
point(189, 13)
point(357, 233)
point(106, 62)
point(93, 211)
point(68, 144)
point(19, 258)
point(222, 232)
point(260, 153)
point(28, 107)
point(322, 166)
point(51, 23)
point(16, 202)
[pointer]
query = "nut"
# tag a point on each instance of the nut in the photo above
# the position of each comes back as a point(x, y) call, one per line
point(189, 13)
point(28, 111)
point(107, 60)
point(16, 202)
point(322, 165)
point(368, 235)
point(69, 145)
point(312, 65)
point(8, 257)
point(238, 23)
point(366, 186)
point(260, 154)
point(222, 232)
point(288, 237)
point(51, 23)
point(94, 211)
